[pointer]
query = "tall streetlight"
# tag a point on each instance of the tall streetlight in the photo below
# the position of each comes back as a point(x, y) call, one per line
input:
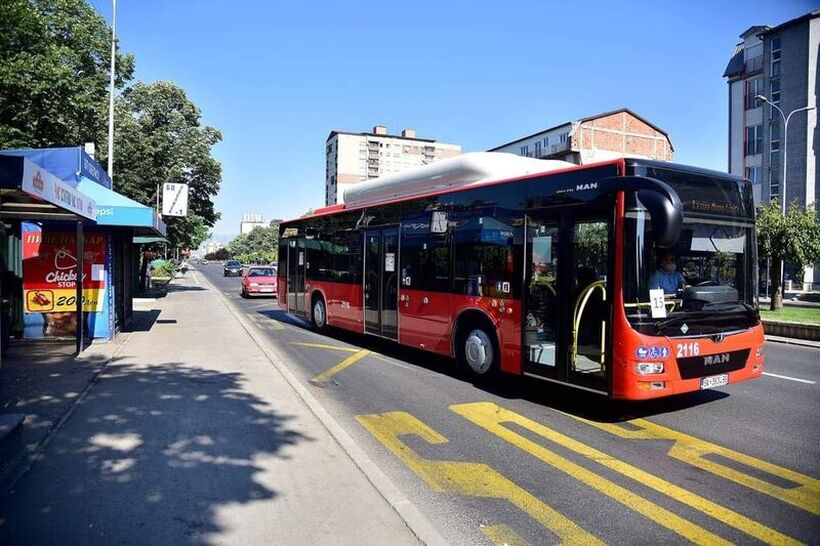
point(786, 119)
point(111, 103)
point(785, 141)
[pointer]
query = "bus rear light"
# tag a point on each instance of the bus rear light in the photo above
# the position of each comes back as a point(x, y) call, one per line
point(648, 368)
point(651, 385)
point(759, 352)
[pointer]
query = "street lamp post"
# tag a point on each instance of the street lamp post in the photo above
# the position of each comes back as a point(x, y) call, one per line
point(111, 99)
point(785, 142)
point(786, 119)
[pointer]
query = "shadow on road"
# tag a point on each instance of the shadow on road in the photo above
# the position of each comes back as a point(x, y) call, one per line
point(560, 397)
point(153, 455)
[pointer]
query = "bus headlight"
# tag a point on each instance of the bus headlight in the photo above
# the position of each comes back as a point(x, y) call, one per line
point(254, 284)
point(759, 352)
point(648, 368)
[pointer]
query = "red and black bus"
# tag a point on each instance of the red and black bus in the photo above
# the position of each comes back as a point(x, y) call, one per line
point(542, 268)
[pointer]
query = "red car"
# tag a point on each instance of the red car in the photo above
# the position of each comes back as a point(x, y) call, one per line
point(259, 281)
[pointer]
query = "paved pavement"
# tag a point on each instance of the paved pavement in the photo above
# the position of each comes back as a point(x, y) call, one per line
point(523, 461)
point(191, 435)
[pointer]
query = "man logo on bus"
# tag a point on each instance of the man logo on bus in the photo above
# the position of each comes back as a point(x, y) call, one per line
point(642, 352)
point(587, 186)
point(711, 360)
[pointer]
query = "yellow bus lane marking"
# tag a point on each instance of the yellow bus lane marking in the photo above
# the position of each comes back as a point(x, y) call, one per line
point(502, 535)
point(464, 478)
point(492, 417)
point(691, 450)
point(265, 322)
point(324, 377)
point(324, 346)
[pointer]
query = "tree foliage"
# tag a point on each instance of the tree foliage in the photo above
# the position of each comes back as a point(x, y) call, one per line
point(260, 245)
point(160, 138)
point(220, 255)
point(54, 73)
point(794, 238)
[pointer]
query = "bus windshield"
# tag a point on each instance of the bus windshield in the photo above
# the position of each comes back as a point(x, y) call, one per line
point(707, 280)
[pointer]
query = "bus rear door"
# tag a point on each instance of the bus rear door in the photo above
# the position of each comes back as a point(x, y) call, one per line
point(296, 275)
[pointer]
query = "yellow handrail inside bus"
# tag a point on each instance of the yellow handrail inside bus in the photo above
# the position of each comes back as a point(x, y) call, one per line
point(579, 311)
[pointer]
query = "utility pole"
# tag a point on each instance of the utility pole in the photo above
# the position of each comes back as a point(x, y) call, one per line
point(111, 103)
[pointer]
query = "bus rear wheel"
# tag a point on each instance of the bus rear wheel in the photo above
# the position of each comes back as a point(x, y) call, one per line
point(318, 315)
point(478, 351)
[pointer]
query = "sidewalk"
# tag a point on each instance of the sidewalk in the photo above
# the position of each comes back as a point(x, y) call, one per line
point(190, 435)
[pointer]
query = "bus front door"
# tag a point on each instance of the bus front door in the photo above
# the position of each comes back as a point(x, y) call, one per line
point(567, 299)
point(296, 276)
point(589, 295)
point(381, 262)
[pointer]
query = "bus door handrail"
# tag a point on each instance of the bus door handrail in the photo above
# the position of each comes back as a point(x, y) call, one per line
point(576, 319)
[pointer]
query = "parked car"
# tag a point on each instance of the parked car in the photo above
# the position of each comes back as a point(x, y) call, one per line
point(232, 269)
point(259, 280)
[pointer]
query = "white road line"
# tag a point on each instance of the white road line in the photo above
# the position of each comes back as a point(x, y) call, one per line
point(789, 378)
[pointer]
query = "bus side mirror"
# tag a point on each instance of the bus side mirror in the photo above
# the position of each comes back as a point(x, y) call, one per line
point(667, 218)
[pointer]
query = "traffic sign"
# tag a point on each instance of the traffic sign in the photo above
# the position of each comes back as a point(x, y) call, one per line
point(174, 199)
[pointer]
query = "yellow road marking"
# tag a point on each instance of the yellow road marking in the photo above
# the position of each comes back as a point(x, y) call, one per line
point(692, 450)
point(463, 478)
point(275, 325)
point(502, 535)
point(346, 363)
point(323, 346)
point(491, 417)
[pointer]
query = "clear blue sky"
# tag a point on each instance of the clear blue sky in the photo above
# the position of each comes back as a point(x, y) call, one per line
point(277, 77)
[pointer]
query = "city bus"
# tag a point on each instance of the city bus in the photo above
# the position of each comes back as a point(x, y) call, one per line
point(631, 278)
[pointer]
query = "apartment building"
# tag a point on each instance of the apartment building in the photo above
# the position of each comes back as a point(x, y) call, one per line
point(250, 221)
point(354, 157)
point(778, 63)
point(610, 135)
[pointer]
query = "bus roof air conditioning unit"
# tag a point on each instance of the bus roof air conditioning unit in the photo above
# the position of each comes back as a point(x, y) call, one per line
point(470, 169)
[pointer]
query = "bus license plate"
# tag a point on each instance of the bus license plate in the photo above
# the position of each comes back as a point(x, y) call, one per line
point(266, 289)
point(714, 381)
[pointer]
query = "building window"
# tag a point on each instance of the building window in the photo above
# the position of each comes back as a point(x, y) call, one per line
point(563, 137)
point(753, 174)
point(538, 149)
point(774, 135)
point(774, 183)
point(774, 158)
point(754, 139)
point(753, 89)
point(524, 151)
point(774, 72)
point(546, 141)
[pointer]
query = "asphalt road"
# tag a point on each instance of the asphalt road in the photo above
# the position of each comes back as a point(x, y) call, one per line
point(524, 461)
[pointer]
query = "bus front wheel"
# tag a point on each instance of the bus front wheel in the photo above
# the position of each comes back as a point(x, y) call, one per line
point(478, 351)
point(319, 313)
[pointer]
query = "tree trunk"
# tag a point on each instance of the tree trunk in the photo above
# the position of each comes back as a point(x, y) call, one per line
point(777, 288)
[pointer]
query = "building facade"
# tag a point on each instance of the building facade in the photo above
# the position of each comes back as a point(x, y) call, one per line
point(250, 221)
point(620, 133)
point(779, 63)
point(354, 157)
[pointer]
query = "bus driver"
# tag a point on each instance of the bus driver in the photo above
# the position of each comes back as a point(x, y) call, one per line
point(667, 276)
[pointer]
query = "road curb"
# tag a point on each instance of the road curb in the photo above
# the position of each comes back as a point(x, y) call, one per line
point(417, 522)
point(794, 341)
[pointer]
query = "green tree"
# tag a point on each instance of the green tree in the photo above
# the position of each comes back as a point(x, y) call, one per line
point(159, 138)
point(261, 244)
point(794, 239)
point(54, 73)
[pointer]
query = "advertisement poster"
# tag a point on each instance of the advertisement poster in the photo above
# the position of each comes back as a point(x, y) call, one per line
point(50, 271)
